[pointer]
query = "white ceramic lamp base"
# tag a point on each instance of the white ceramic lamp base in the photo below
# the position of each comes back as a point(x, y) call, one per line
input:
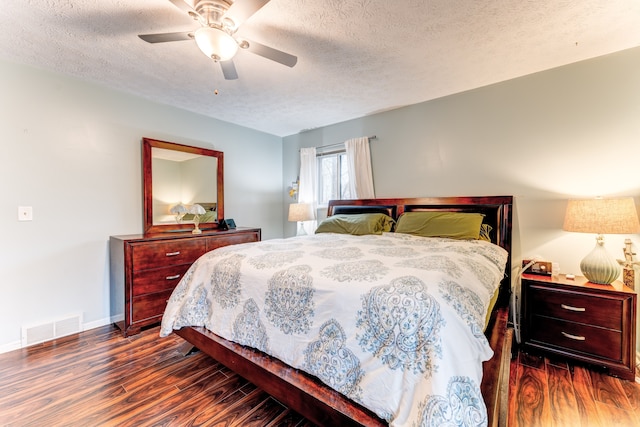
point(599, 266)
point(301, 230)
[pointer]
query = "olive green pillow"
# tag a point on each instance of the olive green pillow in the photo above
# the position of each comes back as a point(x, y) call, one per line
point(454, 225)
point(357, 224)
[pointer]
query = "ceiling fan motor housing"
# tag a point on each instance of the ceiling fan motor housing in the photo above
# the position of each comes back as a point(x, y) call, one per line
point(211, 13)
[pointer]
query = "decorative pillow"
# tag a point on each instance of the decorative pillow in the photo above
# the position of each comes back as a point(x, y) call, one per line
point(455, 225)
point(485, 232)
point(357, 224)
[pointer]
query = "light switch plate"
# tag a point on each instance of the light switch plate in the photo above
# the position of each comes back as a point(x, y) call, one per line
point(25, 213)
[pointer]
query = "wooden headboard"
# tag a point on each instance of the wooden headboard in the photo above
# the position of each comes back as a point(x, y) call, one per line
point(498, 211)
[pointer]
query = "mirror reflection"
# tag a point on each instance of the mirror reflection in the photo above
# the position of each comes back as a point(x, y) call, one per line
point(179, 181)
point(183, 187)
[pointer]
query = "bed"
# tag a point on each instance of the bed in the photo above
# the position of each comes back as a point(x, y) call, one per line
point(341, 351)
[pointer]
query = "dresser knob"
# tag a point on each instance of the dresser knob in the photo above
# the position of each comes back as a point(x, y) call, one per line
point(177, 276)
point(173, 253)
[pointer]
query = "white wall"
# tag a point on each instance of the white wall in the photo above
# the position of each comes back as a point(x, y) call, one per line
point(72, 151)
point(565, 133)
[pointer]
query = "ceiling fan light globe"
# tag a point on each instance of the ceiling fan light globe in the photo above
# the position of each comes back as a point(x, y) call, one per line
point(216, 43)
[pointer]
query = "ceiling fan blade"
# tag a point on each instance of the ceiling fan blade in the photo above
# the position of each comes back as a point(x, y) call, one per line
point(182, 5)
point(229, 70)
point(186, 7)
point(272, 54)
point(241, 10)
point(166, 37)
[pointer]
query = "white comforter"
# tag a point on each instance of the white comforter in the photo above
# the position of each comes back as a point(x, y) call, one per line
point(394, 322)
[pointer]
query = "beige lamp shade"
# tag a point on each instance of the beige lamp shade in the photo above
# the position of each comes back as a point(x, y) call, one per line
point(300, 212)
point(601, 216)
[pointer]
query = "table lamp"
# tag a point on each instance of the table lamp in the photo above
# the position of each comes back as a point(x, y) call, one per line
point(196, 210)
point(601, 216)
point(178, 211)
point(300, 212)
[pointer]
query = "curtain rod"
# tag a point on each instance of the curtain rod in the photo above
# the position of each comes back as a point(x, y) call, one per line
point(323, 147)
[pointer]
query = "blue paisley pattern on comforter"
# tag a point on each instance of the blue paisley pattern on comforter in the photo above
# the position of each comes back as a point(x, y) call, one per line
point(394, 322)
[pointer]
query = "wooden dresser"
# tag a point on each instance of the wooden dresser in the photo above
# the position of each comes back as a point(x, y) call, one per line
point(144, 270)
point(584, 321)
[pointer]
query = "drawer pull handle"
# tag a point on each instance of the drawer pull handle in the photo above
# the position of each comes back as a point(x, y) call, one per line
point(177, 276)
point(173, 253)
point(568, 307)
point(573, 337)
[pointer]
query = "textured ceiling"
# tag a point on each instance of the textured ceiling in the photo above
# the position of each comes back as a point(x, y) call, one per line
point(355, 57)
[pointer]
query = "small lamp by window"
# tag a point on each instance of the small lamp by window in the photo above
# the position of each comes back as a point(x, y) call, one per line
point(300, 212)
point(601, 216)
point(196, 210)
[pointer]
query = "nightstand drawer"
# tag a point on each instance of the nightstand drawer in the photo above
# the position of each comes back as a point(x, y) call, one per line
point(574, 307)
point(595, 341)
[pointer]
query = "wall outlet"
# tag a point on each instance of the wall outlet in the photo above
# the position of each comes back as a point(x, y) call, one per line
point(542, 268)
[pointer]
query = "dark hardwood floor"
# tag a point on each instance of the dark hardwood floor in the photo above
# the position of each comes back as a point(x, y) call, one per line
point(99, 378)
point(551, 392)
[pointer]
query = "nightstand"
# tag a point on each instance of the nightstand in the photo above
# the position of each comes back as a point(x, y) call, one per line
point(584, 321)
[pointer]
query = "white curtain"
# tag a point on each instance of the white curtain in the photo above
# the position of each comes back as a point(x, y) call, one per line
point(360, 172)
point(308, 190)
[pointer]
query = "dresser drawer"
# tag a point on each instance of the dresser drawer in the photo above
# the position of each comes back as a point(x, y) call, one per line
point(157, 279)
point(149, 306)
point(600, 342)
point(160, 254)
point(574, 307)
point(231, 239)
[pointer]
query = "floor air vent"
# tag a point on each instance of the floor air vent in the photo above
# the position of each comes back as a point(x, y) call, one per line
point(35, 334)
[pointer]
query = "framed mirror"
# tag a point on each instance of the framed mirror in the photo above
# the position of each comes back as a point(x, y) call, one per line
point(175, 174)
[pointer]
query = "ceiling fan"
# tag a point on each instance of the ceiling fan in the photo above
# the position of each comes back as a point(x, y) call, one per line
point(219, 20)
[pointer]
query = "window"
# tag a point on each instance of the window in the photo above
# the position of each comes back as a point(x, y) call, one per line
point(333, 177)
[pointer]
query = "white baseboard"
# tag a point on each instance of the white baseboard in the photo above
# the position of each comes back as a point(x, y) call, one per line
point(16, 345)
point(117, 318)
point(98, 323)
point(10, 346)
